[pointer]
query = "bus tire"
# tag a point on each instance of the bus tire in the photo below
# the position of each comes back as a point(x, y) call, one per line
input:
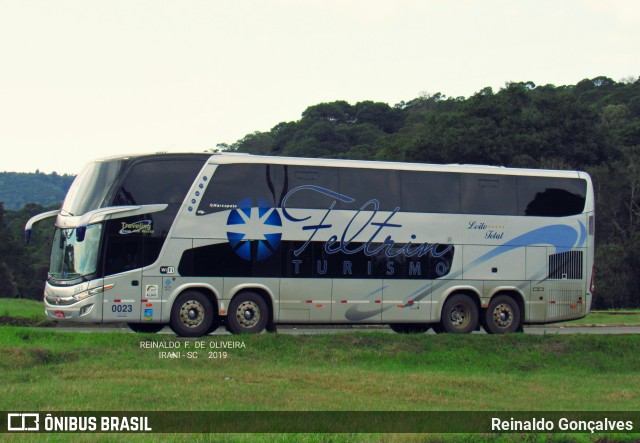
point(215, 324)
point(248, 314)
point(192, 314)
point(146, 328)
point(459, 314)
point(502, 316)
point(409, 328)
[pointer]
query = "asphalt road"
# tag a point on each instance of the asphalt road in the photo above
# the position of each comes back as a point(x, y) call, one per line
point(299, 330)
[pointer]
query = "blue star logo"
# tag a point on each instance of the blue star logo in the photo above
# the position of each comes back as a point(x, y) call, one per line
point(254, 232)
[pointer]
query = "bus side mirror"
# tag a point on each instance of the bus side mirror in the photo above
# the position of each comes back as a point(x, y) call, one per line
point(35, 219)
point(80, 232)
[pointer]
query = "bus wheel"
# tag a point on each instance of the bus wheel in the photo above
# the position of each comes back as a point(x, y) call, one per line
point(502, 316)
point(248, 314)
point(459, 314)
point(192, 314)
point(150, 328)
point(409, 328)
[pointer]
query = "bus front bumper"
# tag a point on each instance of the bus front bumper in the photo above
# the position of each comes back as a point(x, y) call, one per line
point(73, 304)
point(85, 312)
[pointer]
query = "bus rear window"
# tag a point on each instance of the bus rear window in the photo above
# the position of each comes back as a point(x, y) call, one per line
point(551, 197)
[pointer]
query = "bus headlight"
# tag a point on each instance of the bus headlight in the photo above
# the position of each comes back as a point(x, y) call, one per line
point(92, 292)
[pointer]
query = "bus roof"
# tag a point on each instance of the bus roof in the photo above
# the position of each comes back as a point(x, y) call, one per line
point(227, 158)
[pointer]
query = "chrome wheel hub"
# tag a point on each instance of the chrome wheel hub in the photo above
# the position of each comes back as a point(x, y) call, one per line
point(503, 315)
point(192, 313)
point(248, 314)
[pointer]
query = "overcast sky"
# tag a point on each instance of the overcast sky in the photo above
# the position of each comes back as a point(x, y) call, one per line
point(82, 79)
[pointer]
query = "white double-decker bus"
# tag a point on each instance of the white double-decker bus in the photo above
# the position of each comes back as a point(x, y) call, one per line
point(197, 240)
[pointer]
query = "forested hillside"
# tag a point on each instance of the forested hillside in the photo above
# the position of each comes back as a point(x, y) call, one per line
point(19, 188)
point(593, 126)
point(23, 268)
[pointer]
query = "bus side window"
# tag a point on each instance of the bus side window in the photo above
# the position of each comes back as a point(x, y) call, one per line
point(488, 194)
point(122, 253)
point(364, 185)
point(234, 183)
point(321, 178)
point(149, 182)
point(435, 192)
point(550, 196)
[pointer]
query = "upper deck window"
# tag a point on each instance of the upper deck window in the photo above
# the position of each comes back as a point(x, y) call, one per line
point(93, 187)
point(136, 181)
point(164, 180)
point(318, 187)
point(378, 187)
point(434, 192)
point(234, 183)
point(488, 194)
point(551, 197)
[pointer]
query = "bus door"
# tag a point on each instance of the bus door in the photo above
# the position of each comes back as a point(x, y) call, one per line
point(122, 302)
point(123, 259)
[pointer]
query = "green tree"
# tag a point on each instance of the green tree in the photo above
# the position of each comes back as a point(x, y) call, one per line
point(8, 286)
point(335, 112)
point(378, 114)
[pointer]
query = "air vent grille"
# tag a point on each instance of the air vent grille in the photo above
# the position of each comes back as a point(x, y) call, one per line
point(566, 266)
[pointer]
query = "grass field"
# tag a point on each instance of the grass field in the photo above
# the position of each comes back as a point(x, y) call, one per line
point(608, 318)
point(14, 307)
point(56, 371)
point(48, 371)
point(392, 372)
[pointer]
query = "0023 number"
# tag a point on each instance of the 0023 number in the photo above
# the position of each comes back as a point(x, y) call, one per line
point(122, 308)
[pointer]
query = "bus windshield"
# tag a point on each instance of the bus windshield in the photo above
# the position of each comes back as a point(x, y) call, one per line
point(93, 188)
point(72, 259)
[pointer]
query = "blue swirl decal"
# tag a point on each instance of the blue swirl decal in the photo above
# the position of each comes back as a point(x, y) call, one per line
point(561, 237)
